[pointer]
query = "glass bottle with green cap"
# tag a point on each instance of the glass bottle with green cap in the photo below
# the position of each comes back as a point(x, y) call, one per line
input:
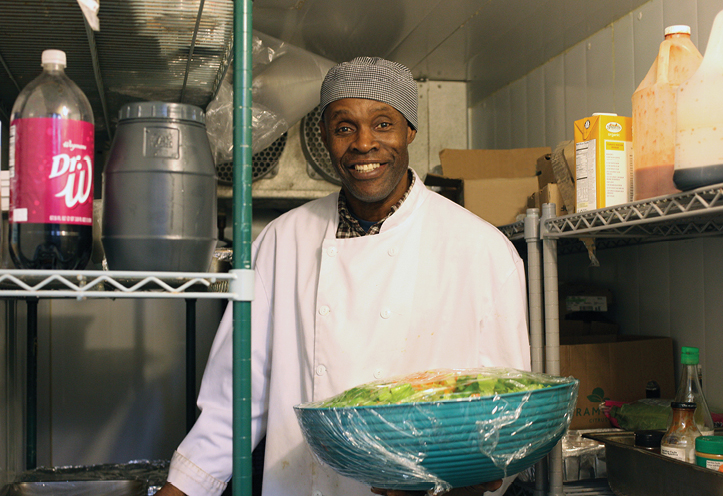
point(690, 390)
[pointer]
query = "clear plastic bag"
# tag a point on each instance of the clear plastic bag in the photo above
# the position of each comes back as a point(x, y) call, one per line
point(285, 87)
point(440, 429)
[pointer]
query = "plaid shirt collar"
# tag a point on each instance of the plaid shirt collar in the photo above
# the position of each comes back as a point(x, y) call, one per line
point(349, 227)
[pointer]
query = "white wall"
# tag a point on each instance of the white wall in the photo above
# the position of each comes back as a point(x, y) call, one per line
point(599, 74)
point(670, 288)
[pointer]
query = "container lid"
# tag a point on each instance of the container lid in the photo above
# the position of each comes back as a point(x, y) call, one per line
point(648, 438)
point(677, 29)
point(689, 355)
point(53, 57)
point(684, 406)
point(709, 444)
point(162, 110)
point(605, 113)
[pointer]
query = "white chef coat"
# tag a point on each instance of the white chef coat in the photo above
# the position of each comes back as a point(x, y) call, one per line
point(437, 287)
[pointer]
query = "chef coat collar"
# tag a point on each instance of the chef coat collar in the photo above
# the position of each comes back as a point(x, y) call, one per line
point(349, 226)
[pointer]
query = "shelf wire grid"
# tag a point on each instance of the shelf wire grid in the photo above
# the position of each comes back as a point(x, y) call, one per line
point(693, 213)
point(114, 284)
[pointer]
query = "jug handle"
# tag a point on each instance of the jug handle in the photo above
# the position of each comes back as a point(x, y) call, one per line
point(663, 62)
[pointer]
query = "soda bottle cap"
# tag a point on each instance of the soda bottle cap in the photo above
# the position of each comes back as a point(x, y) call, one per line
point(53, 57)
point(689, 355)
point(677, 29)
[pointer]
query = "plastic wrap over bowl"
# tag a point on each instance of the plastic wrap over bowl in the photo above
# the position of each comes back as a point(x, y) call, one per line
point(467, 437)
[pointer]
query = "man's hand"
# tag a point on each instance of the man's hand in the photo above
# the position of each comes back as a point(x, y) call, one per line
point(169, 489)
point(475, 490)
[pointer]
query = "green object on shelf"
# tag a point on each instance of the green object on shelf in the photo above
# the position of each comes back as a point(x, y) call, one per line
point(647, 414)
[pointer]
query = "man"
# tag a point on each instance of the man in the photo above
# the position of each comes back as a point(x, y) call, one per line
point(381, 279)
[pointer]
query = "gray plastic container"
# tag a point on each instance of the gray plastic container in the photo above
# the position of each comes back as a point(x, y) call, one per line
point(159, 191)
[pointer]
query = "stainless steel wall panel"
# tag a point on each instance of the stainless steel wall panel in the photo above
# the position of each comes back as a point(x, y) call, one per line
point(600, 71)
point(503, 118)
point(556, 129)
point(535, 86)
point(518, 113)
point(439, 46)
point(647, 29)
point(653, 284)
point(419, 149)
point(623, 73)
point(687, 296)
point(343, 30)
point(713, 316)
point(575, 85)
point(447, 109)
point(481, 132)
point(113, 377)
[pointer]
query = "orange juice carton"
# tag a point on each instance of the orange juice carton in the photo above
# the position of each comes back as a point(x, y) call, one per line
point(603, 161)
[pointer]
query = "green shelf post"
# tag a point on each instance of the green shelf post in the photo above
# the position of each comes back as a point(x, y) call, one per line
point(242, 176)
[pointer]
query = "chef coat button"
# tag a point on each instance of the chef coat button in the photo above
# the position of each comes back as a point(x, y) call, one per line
point(393, 251)
point(324, 310)
point(317, 493)
point(386, 313)
point(331, 251)
point(378, 373)
point(320, 370)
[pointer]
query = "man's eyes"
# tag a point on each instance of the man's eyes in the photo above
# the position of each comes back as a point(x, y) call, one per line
point(349, 129)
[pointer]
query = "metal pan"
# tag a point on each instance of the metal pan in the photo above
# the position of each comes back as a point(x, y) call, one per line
point(634, 471)
point(77, 488)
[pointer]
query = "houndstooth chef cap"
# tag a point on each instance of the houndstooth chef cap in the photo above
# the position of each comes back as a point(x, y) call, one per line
point(372, 78)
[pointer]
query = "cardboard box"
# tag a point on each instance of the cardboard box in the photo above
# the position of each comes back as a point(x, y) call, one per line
point(550, 193)
point(489, 164)
point(617, 371)
point(493, 184)
point(604, 161)
point(545, 174)
point(582, 331)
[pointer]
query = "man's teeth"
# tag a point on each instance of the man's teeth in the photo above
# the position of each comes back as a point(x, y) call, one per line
point(366, 167)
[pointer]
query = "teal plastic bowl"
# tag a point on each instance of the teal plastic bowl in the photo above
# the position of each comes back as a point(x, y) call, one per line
point(443, 444)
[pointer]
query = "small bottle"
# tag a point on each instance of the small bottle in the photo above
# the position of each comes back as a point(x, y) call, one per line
point(652, 390)
point(690, 391)
point(51, 171)
point(679, 440)
point(649, 440)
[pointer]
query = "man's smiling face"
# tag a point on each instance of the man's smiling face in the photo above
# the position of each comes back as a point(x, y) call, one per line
point(367, 141)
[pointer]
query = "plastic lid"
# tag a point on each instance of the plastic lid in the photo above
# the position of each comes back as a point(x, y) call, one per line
point(649, 438)
point(684, 406)
point(53, 57)
point(709, 444)
point(162, 110)
point(604, 113)
point(689, 355)
point(677, 29)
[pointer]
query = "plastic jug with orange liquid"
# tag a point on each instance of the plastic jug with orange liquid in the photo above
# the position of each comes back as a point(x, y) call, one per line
point(699, 137)
point(654, 111)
